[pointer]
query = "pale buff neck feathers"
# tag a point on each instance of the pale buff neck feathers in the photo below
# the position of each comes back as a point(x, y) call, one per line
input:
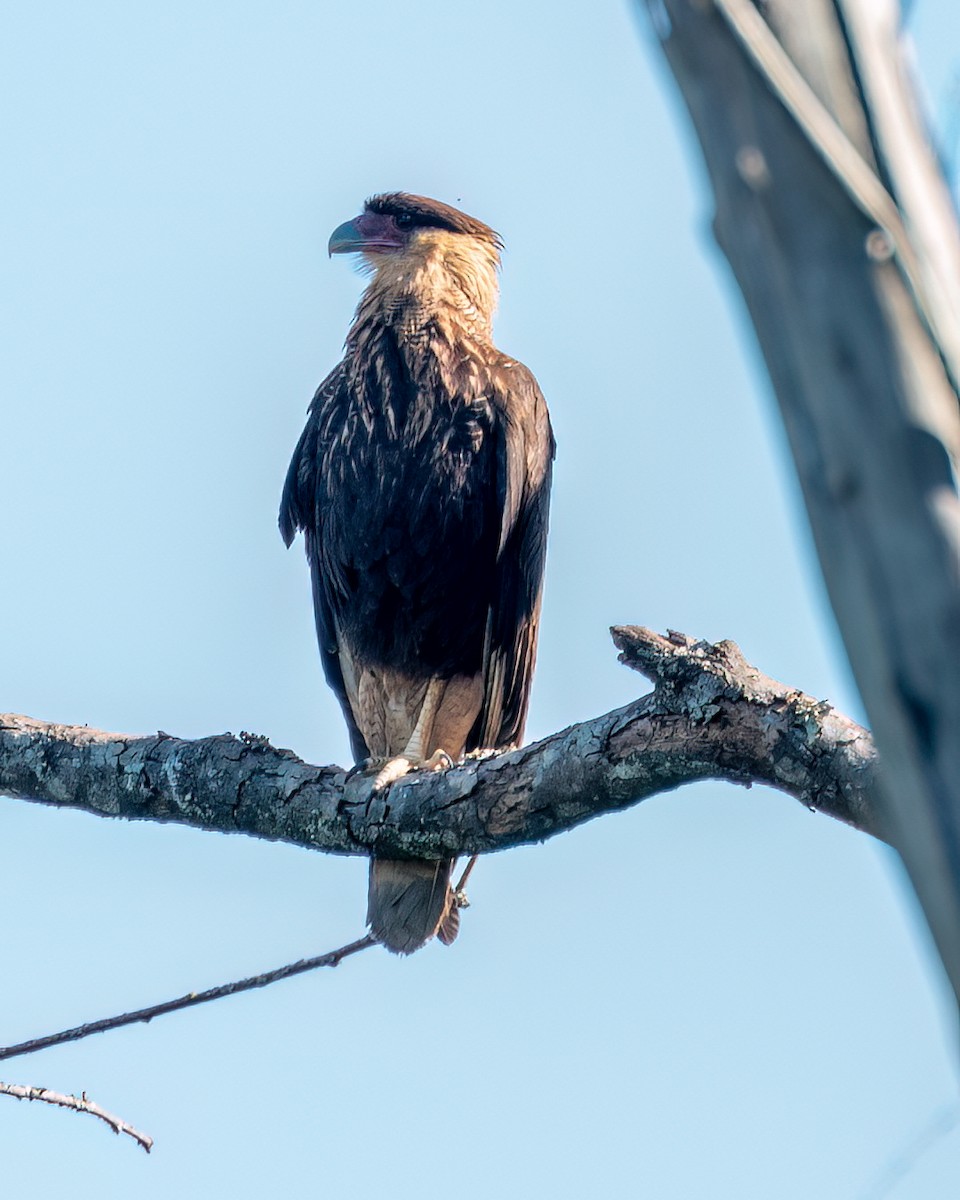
point(447, 277)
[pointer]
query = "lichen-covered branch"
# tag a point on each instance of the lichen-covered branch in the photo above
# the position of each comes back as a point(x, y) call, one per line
point(711, 716)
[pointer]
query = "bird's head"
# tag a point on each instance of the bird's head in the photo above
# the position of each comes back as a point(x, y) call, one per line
point(400, 224)
point(421, 246)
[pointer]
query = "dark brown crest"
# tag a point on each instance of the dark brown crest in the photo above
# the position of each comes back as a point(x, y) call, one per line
point(422, 212)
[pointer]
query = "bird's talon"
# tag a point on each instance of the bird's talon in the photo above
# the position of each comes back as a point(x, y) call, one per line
point(395, 769)
point(460, 900)
point(480, 754)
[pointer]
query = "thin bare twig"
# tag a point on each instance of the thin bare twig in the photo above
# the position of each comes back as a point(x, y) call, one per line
point(78, 1104)
point(940, 1125)
point(331, 959)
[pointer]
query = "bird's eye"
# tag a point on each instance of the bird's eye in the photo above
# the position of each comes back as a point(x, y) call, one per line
point(403, 220)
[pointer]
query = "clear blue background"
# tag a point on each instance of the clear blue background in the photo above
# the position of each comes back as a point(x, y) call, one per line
point(716, 994)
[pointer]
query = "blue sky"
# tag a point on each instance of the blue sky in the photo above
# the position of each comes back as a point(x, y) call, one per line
point(715, 994)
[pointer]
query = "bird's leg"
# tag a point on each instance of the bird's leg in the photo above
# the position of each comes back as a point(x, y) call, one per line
point(459, 895)
point(415, 750)
point(450, 925)
point(414, 755)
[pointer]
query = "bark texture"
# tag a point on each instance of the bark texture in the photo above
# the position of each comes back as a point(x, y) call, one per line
point(711, 716)
point(840, 231)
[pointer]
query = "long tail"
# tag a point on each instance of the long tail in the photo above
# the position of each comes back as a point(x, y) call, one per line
point(411, 901)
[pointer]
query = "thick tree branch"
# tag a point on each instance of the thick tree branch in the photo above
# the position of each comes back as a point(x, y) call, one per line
point(711, 716)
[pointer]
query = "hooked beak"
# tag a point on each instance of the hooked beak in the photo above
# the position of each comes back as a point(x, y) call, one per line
point(368, 232)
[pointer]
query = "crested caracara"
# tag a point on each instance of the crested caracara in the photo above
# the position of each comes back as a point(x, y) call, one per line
point(421, 484)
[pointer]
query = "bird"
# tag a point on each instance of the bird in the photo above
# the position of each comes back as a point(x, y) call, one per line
point(421, 484)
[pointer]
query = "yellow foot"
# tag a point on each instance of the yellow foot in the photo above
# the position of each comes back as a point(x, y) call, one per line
point(396, 768)
point(481, 754)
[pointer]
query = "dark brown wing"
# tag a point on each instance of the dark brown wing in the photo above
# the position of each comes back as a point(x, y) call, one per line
point(300, 510)
point(524, 468)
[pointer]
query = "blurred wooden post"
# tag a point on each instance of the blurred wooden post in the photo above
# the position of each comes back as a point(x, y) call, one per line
point(839, 228)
